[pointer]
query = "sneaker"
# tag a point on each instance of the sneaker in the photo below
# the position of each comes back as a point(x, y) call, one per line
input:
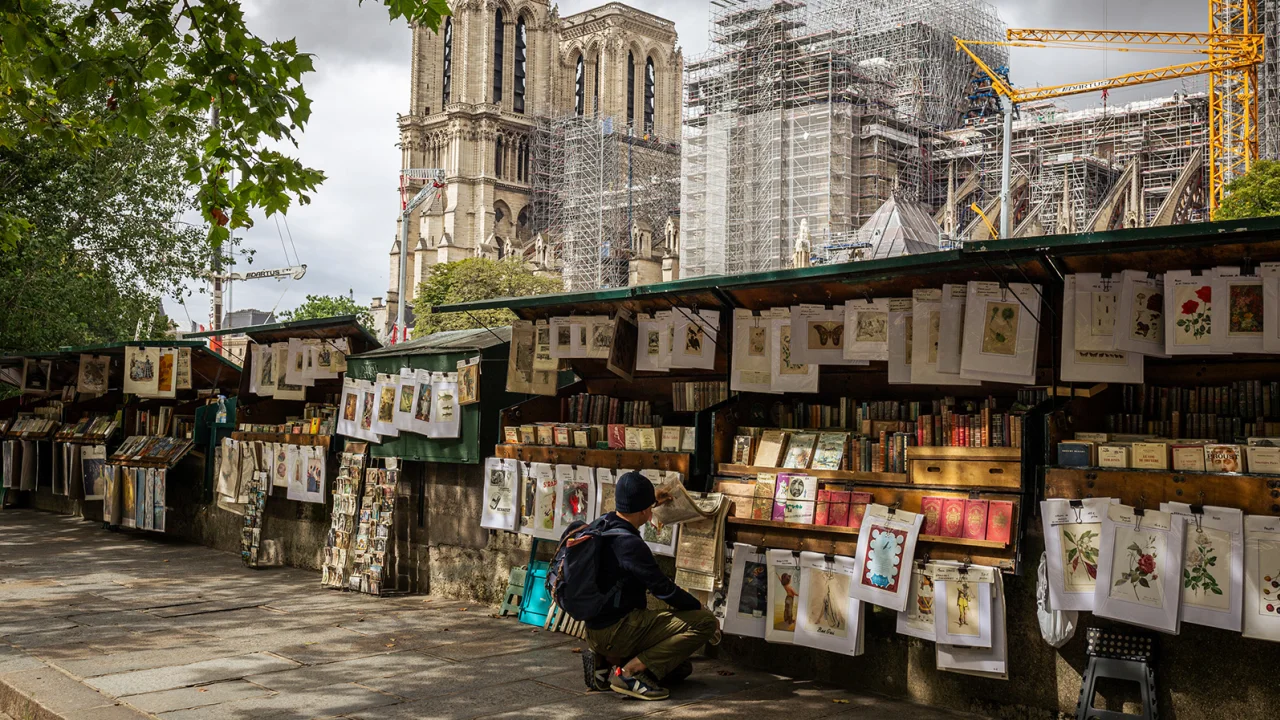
point(679, 673)
point(639, 686)
point(595, 671)
point(715, 639)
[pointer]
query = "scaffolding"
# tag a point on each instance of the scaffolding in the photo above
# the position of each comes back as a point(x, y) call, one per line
point(1269, 81)
point(602, 196)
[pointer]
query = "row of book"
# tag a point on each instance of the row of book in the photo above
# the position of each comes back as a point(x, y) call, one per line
point(152, 421)
point(314, 425)
point(795, 498)
point(1248, 399)
point(591, 409)
point(668, 438)
point(1198, 425)
point(29, 426)
point(1144, 452)
point(92, 428)
point(143, 448)
point(696, 395)
point(968, 518)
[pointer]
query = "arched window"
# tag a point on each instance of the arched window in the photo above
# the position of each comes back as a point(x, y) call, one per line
point(497, 159)
point(580, 87)
point(448, 59)
point(517, 92)
point(499, 38)
point(631, 90)
point(649, 82)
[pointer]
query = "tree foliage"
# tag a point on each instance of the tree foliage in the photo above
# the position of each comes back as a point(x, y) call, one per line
point(177, 61)
point(326, 306)
point(1254, 194)
point(475, 279)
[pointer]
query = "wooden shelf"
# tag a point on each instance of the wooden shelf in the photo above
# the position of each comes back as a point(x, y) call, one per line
point(834, 530)
point(634, 459)
point(1254, 494)
point(947, 452)
point(847, 475)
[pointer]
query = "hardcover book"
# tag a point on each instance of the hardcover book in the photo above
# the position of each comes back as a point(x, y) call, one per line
point(546, 435)
point(931, 508)
point(1151, 456)
point(1264, 460)
point(1188, 457)
point(858, 502)
point(1113, 456)
point(799, 451)
point(617, 437)
point(975, 519)
point(742, 450)
point(830, 451)
point(1224, 458)
point(999, 520)
point(770, 450)
point(952, 517)
point(670, 438)
point(838, 508)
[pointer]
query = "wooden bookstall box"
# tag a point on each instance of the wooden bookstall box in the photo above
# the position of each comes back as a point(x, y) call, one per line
point(965, 467)
point(1254, 494)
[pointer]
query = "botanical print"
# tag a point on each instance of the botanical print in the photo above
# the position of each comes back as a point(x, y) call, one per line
point(755, 589)
point(1245, 305)
point(825, 335)
point(1000, 336)
point(1148, 309)
point(422, 409)
point(1199, 583)
point(755, 341)
point(935, 331)
point(1269, 566)
point(785, 366)
point(386, 404)
point(785, 597)
point(366, 412)
point(547, 504)
point(884, 558)
point(693, 338)
point(910, 332)
point(654, 344)
point(406, 398)
point(871, 327)
point(828, 596)
point(1080, 556)
point(962, 610)
point(573, 504)
point(1135, 573)
point(1193, 306)
point(1102, 320)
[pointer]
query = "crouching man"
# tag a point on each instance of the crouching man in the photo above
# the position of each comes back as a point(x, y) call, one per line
point(635, 651)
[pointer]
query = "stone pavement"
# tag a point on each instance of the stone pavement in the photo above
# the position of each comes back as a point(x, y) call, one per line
point(96, 625)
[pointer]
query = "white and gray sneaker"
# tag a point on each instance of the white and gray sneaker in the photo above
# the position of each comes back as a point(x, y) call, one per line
point(641, 686)
point(595, 671)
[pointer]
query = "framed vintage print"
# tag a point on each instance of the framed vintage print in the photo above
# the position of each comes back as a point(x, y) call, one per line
point(1261, 616)
point(962, 608)
point(1073, 542)
point(469, 381)
point(621, 359)
point(1141, 314)
point(917, 620)
point(446, 415)
point(951, 330)
point(901, 339)
point(1095, 299)
point(542, 357)
point(990, 662)
point(501, 488)
point(166, 373)
point(694, 341)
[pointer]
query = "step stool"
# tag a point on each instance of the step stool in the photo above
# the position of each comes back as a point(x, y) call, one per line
point(1119, 657)
point(515, 591)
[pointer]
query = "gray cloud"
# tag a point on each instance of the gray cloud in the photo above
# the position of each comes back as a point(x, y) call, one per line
point(362, 81)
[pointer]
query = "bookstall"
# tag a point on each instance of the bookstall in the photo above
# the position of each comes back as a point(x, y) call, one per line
point(912, 433)
point(285, 429)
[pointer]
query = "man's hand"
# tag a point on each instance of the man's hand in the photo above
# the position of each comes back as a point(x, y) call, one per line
point(661, 496)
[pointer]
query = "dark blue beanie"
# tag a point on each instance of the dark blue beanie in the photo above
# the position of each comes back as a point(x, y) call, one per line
point(633, 493)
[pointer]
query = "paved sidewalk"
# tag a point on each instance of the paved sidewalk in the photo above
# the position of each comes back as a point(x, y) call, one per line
point(116, 626)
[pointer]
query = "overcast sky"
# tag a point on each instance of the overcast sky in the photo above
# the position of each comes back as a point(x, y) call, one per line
point(362, 81)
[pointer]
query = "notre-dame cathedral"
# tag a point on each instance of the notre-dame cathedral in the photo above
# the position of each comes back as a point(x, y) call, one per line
point(482, 87)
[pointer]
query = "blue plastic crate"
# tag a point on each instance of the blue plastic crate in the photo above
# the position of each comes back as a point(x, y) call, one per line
point(536, 602)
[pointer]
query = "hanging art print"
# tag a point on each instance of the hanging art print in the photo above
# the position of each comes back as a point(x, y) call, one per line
point(1238, 319)
point(749, 361)
point(829, 619)
point(917, 620)
point(962, 613)
point(1262, 577)
point(1189, 312)
point(784, 596)
point(1140, 568)
point(1073, 541)
point(141, 369)
point(575, 488)
point(94, 373)
point(748, 599)
point(502, 478)
point(886, 549)
point(1212, 565)
point(1093, 365)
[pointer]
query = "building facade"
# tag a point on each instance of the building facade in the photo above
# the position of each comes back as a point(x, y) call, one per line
point(485, 91)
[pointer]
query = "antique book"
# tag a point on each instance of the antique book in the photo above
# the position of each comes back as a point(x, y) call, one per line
point(741, 495)
point(770, 449)
point(999, 520)
point(931, 508)
point(952, 517)
point(528, 435)
point(837, 508)
point(975, 519)
point(829, 451)
point(1264, 460)
point(631, 438)
point(742, 450)
point(670, 438)
point(648, 439)
point(1113, 456)
point(1094, 437)
point(1188, 457)
point(858, 502)
point(762, 503)
point(799, 451)
point(561, 435)
point(1224, 458)
point(793, 490)
point(1151, 456)
point(617, 437)
point(688, 440)
point(1074, 453)
point(511, 435)
point(546, 435)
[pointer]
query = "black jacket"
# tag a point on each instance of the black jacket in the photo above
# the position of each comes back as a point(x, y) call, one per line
point(630, 565)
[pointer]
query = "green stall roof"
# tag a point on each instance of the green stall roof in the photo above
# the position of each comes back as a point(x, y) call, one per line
point(442, 343)
point(325, 328)
point(1039, 259)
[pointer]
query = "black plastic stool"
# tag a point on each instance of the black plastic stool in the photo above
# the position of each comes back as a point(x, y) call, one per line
point(1118, 657)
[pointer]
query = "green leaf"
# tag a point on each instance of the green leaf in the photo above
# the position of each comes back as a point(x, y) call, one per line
point(1143, 582)
point(1123, 579)
point(1215, 590)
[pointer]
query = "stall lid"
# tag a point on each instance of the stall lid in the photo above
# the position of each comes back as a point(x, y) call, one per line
point(339, 326)
point(444, 343)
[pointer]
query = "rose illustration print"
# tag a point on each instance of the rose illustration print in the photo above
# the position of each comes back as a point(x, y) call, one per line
point(884, 558)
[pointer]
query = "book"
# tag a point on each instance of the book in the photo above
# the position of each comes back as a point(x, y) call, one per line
point(858, 502)
point(511, 435)
point(829, 452)
point(999, 520)
point(546, 435)
point(799, 451)
point(561, 436)
point(931, 508)
point(1224, 458)
point(838, 508)
point(762, 503)
point(952, 517)
point(1113, 456)
point(1074, 453)
point(617, 436)
point(1151, 455)
point(822, 507)
point(648, 439)
point(670, 438)
point(975, 519)
point(742, 450)
point(1188, 458)
point(528, 435)
point(631, 438)
point(770, 449)
point(795, 511)
point(1263, 459)
point(687, 439)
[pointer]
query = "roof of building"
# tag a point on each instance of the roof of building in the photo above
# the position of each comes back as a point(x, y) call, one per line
point(899, 227)
point(248, 317)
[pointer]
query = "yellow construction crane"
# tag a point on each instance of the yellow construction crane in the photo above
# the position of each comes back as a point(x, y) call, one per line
point(1229, 54)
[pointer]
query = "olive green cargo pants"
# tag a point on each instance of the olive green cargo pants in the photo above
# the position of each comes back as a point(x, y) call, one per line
point(662, 639)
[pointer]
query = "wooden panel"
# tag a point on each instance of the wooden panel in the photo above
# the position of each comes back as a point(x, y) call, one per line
point(846, 475)
point(964, 453)
point(1254, 494)
point(286, 438)
point(635, 459)
point(966, 473)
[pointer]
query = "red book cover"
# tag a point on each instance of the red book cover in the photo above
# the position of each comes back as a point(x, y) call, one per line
point(822, 508)
point(952, 517)
point(932, 509)
point(617, 437)
point(975, 519)
point(1000, 520)
point(838, 510)
point(858, 502)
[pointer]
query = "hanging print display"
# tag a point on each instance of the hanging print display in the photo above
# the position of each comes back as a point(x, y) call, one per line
point(1238, 317)
point(1212, 564)
point(95, 371)
point(951, 330)
point(141, 370)
point(1188, 310)
point(653, 344)
point(819, 335)
point(604, 490)
point(406, 391)
point(1141, 314)
point(1270, 273)
point(1262, 577)
point(1073, 541)
point(307, 483)
point(784, 596)
point(1001, 332)
point(829, 618)
point(750, 358)
point(1092, 365)
point(927, 341)
point(546, 497)
point(786, 375)
point(502, 481)
point(1095, 300)
point(576, 488)
point(886, 549)
point(1140, 568)
point(748, 599)
point(694, 345)
point(917, 620)
point(867, 324)
point(992, 662)
point(962, 610)
point(469, 381)
point(901, 337)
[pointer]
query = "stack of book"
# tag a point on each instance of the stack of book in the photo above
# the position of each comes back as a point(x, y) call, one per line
point(1147, 452)
point(150, 449)
point(614, 436)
